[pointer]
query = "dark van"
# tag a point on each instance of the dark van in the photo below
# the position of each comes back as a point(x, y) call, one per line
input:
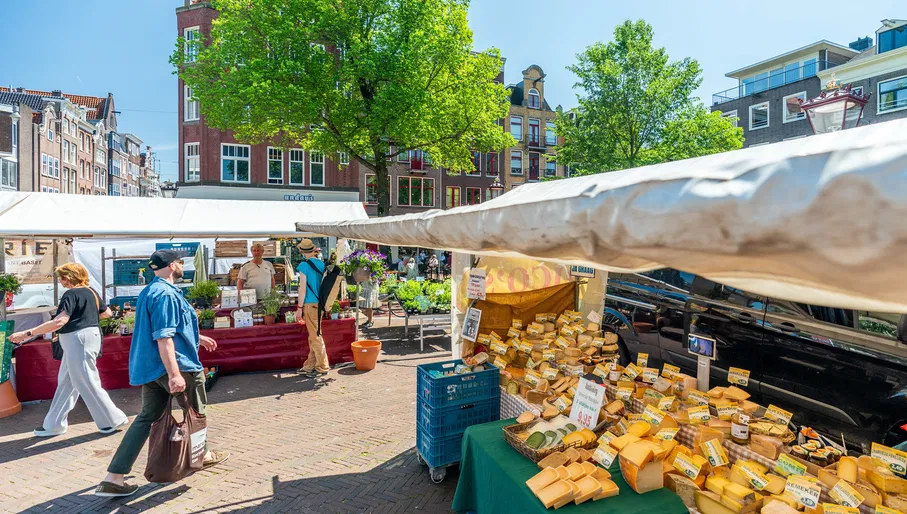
point(840, 371)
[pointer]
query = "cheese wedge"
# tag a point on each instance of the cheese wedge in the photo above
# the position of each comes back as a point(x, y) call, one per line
point(717, 392)
point(562, 473)
point(893, 501)
point(574, 490)
point(716, 484)
point(553, 461)
point(775, 484)
point(641, 479)
point(768, 447)
point(828, 477)
point(847, 469)
point(571, 454)
point(576, 471)
point(683, 487)
point(589, 468)
point(639, 429)
point(668, 445)
point(722, 426)
point(555, 493)
point(620, 442)
point(588, 488)
point(673, 454)
point(740, 493)
point(884, 480)
point(736, 394)
point(871, 496)
point(609, 489)
point(755, 465)
point(584, 454)
point(615, 407)
point(638, 452)
point(541, 480)
point(600, 474)
point(749, 407)
point(666, 422)
point(710, 503)
point(774, 506)
point(785, 498)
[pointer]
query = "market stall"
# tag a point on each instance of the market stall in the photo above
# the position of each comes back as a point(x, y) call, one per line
point(252, 348)
point(815, 220)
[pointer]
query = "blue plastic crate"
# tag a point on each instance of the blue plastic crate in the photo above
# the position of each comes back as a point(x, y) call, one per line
point(439, 451)
point(456, 389)
point(455, 418)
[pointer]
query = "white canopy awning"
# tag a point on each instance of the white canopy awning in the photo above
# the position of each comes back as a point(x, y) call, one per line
point(821, 220)
point(61, 215)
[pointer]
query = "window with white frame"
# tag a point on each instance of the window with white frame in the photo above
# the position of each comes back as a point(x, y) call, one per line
point(732, 115)
point(9, 175)
point(115, 167)
point(516, 162)
point(114, 189)
point(275, 165)
point(550, 135)
point(65, 179)
point(893, 95)
point(97, 177)
point(65, 125)
point(535, 100)
point(55, 173)
point(65, 151)
point(234, 161)
point(759, 116)
point(193, 163)
point(100, 156)
point(344, 158)
point(791, 107)
point(73, 129)
point(50, 130)
point(193, 37)
point(516, 127)
point(316, 169)
point(416, 191)
point(15, 135)
point(44, 168)
point(191, 106)
point(72, 153)
point(297, 167)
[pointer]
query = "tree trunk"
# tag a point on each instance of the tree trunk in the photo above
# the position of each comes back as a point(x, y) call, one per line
point(382, 187)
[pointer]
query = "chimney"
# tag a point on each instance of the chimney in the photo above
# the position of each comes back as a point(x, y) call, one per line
point(20, 89)
point(57, 93)
point(861, 44)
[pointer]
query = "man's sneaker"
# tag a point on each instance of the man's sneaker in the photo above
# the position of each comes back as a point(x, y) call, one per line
point(111, 490)
point(40, 432)
point(303, 371)
point(315, 373)
point(110, 430)
point(216, 458)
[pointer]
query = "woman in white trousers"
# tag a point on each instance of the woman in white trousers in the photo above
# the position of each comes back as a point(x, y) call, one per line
point(77, 324)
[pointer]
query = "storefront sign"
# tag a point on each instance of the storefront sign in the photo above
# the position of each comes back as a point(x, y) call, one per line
point(476, 288)
point(587, 403)
point(184, 250)
point(582, 272)
point(299, 197)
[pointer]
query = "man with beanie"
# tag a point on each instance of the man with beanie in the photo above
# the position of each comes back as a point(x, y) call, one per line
point(311, 271)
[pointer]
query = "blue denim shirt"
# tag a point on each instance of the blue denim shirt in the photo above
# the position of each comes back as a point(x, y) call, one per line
point(161, 311)
point(313, 279)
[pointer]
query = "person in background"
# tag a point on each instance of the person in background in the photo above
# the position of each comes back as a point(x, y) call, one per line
point(370, 301)
point(163, 359)
point(401, 265)
point(311, 271)
point(77, 323)
point(433, 267)
point(257, 274)
point(412, 270)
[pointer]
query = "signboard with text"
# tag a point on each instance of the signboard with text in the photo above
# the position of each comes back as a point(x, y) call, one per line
point(582, 272)
point(476, 287)
point(587, 403)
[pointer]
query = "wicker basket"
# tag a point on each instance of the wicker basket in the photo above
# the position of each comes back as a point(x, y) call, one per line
point(511, 435)
point(788, 437)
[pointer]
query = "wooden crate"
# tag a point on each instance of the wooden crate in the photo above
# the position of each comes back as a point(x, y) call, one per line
point(238, 248)
point(271, 248)
point(234, 274)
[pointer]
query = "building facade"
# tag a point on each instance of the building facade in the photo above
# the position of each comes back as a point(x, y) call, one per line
point(765, 102)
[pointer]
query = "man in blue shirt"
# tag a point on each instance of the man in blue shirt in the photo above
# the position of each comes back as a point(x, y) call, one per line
point(311, 271)
point(163, 359)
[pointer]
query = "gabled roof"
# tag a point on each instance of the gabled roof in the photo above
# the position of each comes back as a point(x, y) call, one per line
point(94, 104)
point(35, 102)
point(517, 97)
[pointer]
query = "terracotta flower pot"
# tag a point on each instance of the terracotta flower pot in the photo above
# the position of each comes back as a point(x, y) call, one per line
point(365, 354)
point(270, 320)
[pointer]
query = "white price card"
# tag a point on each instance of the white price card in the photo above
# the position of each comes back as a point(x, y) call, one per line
point(475, 290)
point(587, 403)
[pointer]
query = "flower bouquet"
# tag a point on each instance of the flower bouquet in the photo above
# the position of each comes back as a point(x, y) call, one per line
point(364, 265)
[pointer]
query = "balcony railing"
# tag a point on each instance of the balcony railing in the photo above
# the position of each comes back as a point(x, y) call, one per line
point(771, 80)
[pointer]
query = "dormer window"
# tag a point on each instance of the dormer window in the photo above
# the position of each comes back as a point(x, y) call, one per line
point(535, 100)
point(893, 39)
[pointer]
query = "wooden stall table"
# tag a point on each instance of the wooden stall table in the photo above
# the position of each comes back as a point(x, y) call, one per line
point(258, 348)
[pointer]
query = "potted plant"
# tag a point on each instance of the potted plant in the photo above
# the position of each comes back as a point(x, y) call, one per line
point(206, 319)
point(364, 265)
point(110, 325)
point(9, 287)
point(272, 304)
point(352, 294)
point(335, 310)
point(127, 324)
point(202, 293)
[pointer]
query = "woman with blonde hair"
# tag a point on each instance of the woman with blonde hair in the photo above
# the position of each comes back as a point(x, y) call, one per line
point(77, 323)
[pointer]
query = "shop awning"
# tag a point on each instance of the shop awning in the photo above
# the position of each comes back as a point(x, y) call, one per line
point(61, 215)
point(821, 220)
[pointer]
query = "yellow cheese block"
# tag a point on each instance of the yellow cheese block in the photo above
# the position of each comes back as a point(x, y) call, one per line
point(828, 477)
point(739, 493)
point(669, 445)
point(736, 476)
point(542, 479)
point(755, 465)
point(673, 454)
point(885, 481)
point(717, 392)
point(768, 447)
point(562, 472)
point(710, 503)
point(620, 442)
point(614, 407)
point(736, 394)
point(716, 484)
point(774, 506)
point(555, 493)
point(600, 474)
point(683, 487)
point(588, 488)
point(553, 461)
point(641, 479)
point(789, 500)
point(666, 422)
point(731, 503)
point(590, 468)
point(567, 500)
point(639, 429)
point(576, 471)
point(705, 434)
point(775, 484)
point(638, 452)
point(749, 407)
point(658, 451)
point(870, 494)
point(609, 489)
point(584, 454)
point(893, 501)
point(847, 469)
point(722, 426)
point(571, 454)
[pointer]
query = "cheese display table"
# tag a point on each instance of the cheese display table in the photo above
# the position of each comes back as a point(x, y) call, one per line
point(493, 479)
point(258, 348)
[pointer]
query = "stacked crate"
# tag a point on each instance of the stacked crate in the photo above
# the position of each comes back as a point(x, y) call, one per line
point(237, 248)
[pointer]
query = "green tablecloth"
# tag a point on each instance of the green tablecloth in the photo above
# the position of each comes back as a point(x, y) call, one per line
point(493, 479)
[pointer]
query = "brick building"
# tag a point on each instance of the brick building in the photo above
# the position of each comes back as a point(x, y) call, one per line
point(765, 101)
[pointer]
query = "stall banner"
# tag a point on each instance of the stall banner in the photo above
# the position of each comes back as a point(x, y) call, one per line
point(6, 348)
point(587, 403)
point(24, 257)
point(516, 275)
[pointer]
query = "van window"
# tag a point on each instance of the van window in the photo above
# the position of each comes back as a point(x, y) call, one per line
point(884, 324)
point(679, 279)
point(880, 323)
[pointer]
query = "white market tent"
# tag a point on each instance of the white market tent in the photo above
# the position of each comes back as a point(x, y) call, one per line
point(820, 220)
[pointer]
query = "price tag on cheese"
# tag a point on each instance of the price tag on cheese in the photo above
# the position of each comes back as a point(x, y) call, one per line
point(699, 415)
point(563, 403)
point(499, 362)
point(605, 455)
point(606, 439)
point(738, 376)
point(572, 392)
point(562, 342)
point(517, 323)
point(714, 453)
point(726, 410)
point(567, 331)
point(494, 336)
point(533, 378)
point(757, 479)
point(549, 355)
point(881, 509)
point(666, 402)
point(787, 466)
point(699, 397)
point(598, 342)
point(632, 371)
point(686, 465)
point(634, 417)
point(550, 373)
point(652, 394)
point(804, 489)
point(642, 360)
point(531, 364)
point(670, 371)
point(483, 339)
point(499, 347)
point(649, 375)
point(843, 494)
point(624, 393)
point(526, 346)
point(513, 332)
point(601, 371)
point(622, 425)
point(653, 415)
point(778, 414)
point(667, 434)
point(831, 508)
point(896, 459)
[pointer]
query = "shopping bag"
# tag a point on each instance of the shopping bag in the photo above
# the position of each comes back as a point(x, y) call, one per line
point(176, 449)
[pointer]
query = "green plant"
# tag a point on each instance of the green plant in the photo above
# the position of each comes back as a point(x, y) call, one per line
point(335, 309)
point(389, 285)
point(409, 290)
point(9, 283)
point(206, 315)
point(272, 302)
point(371, 260)
point(204, 290)
point(351, 290)
point(129, 320)
point(110, 325)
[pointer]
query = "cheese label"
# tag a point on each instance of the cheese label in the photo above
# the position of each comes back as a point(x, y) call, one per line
point(653, 415)
point(725, 411)
point(649, 375)
point(804, 489)
point(549, 355)
point(667, 434)
point(632, 371)
point(594, 317)
point(572, 392)
point(562, 403)
point(757, 479)
point(513, 332)
point(535, 329)
point(624, 393)
point(622, 426)
point(670, 371)
point(666, 402)
point(686, 465)
point(526, 346)
point(550, 373)
point(831, 508)
point(778, 414)
point(605, 455)
point(896, 459)
point(533, 378)
point(634, 417)
point(601, 371)
point(843, 494)
point(738, 376)
point(517, 323)
point(699, 415)
point(562, 342)
point(606, 439)
point(500, 362)
point(498, 347)
point(642, 360)
point(541, 318)
point(563, 319)
point(699, 397)
point(483, 339)
point(567, 330)
point(714, 453)
point(881, 509)
point(598, 342)
point(653, 394)
point(787, 466)
point(494, 336)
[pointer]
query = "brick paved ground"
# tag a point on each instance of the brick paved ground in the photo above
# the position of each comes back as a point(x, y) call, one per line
point(340, 444)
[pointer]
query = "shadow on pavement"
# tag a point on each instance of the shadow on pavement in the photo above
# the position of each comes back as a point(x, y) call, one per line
point(148, 496)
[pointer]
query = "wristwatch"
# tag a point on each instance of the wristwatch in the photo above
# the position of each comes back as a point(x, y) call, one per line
point(28, 333)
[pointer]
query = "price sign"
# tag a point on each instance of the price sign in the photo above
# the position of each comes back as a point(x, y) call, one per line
point(714, 453)
point(494, 335)
point(598, 342)
point(726, 410)
point(594, 317)
point(831, 508)
point(541, 317)
point(526, 346)
point(550, 373)
point(649, 375)
point(549, 355)
point(533, 378)
point(896, 459)
point(699, 415)
point(499, 347)
point(653, 415)
point(587, 402)
point(653, 394)
point(513, 332)
point(757, 479)
point(804, 489)
point(686, 465)
point(778, 414)
point(665, 403)
point(738, 376)
point(563, 403)
point(624, 393)
point(843, 494)
point(787, 466)
point(642, 360)
point(562, 342)
point(601, 371)
point(632, 371)
point(670, 371)
point(531, 364)
point(605, 456)
point(634, 417)
point(606, 439)
point(881, 509)
point(698, 397)
point(517, 323)
point(622, 425)
point(667, 434)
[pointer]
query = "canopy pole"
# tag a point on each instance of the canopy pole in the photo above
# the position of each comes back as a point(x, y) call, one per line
point(2, 271)
point(56, 282)
point(103, 275)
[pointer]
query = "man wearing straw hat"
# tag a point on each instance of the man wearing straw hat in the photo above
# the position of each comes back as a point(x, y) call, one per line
point(311, 271)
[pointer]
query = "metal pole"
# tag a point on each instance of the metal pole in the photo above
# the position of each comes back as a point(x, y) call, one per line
point(53, 247)
point(103, 275)
point(358, 290)
point(2, 271)
point(113, 256)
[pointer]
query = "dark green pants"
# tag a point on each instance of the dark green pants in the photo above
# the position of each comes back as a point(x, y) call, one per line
point(155, 401)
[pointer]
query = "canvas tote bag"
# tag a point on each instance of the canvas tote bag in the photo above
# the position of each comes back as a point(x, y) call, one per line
point(176, 449)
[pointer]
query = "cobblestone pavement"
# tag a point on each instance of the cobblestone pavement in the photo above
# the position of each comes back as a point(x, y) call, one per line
point(340, 444)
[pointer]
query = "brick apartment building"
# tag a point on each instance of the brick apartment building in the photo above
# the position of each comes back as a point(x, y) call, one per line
point(765, 101)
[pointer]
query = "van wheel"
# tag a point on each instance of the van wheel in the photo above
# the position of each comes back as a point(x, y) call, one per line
point(895, 435)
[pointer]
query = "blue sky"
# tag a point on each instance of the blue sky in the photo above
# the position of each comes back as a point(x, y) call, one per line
point(93, 47)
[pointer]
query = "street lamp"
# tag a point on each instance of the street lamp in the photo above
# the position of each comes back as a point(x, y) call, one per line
point(168, 189)
point(496, 188)
point(836, 108)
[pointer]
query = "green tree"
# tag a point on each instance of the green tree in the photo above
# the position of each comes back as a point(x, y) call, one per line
point(370, 78)
point(637, 107)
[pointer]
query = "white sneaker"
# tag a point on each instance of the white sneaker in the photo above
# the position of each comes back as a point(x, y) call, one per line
point(40, 432)
point(110, 430)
